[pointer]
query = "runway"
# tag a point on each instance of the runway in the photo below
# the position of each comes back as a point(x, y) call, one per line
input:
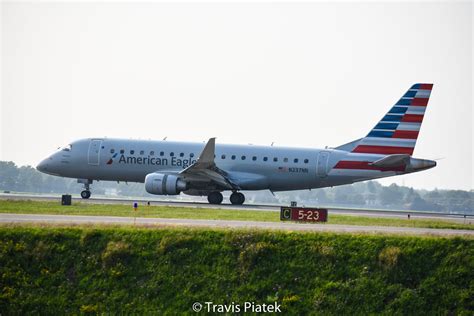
point(246, 207)
point(140, 221)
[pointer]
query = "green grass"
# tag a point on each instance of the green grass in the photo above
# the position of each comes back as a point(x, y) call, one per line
point(46, 270)
point(42, 207)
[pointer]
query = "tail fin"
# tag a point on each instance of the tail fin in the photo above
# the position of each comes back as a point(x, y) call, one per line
point(397, 131)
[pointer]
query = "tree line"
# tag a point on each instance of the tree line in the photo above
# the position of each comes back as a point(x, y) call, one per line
point(364, 194)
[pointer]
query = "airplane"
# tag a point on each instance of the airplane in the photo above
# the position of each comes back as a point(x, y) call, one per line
point(169, 168)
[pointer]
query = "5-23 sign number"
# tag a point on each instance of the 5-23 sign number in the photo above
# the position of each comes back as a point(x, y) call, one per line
point(308, 215)
point(303, 214)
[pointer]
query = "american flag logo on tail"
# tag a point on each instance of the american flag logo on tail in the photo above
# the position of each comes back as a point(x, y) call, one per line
point(397, 131)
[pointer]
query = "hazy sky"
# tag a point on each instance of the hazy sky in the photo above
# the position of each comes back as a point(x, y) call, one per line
point(308, 74)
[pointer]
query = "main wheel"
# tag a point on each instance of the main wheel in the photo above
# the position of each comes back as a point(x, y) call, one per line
point(215, 198)
point(237, 198)
point(85, 194)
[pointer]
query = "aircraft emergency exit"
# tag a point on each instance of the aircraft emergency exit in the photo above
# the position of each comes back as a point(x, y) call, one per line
point(169, 168)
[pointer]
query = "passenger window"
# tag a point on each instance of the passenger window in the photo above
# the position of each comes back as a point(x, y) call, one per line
point(162, 153)
point(254, 158)
point(142, 152)
point(112, 151)
point(296, 160)
point(275, 159)
point(191, 155)
point(223, 157)
point(233, 157)
point(265, 158)
point(171, 154)
point(306, 161)
point(152, 153)
point(132, 152)
point(122, 151)
point(285, 159)
point(181, 154)
point(243, 157)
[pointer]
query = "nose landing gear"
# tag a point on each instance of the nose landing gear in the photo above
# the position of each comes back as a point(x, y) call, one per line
point(86, 193)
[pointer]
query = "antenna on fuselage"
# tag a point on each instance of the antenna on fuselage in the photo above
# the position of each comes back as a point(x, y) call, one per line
point(272, 144)
point(165, 138)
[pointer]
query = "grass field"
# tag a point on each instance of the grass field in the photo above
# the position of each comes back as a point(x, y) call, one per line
point(43, 207)
point(45, 270)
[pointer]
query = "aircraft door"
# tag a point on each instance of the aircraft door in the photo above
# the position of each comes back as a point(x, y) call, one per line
point(322, 165)
point(94, 151)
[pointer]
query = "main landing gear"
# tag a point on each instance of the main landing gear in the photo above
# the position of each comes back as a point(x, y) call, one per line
point(236, 198)
point(86, 193)
point(215, 198)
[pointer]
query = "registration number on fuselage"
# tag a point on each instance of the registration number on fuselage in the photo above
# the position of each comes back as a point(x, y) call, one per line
point(298, 170)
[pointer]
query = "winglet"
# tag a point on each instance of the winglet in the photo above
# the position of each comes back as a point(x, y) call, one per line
point(205, 167)
point(207, 154)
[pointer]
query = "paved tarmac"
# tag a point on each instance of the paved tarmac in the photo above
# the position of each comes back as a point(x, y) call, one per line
point(314, 227)
point(248, 207)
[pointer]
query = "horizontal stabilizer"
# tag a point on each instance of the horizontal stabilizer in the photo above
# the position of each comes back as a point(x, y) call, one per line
point(394, 160)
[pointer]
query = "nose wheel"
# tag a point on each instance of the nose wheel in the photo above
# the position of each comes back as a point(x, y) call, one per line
point(237, 198)
point(85, 194)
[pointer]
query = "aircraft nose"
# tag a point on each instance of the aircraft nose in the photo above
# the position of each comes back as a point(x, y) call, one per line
point(42, 166)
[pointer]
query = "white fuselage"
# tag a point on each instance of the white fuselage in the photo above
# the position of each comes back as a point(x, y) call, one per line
point(169, 168)
point(251, 167)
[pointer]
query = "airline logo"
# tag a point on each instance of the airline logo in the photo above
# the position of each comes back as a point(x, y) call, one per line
point(398, 130)
point(174, 161)
point(111, 160)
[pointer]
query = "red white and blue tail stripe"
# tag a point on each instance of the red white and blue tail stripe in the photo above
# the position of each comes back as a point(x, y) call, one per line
point(397, 131)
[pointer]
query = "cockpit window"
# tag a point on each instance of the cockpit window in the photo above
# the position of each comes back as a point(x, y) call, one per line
point(67, 148)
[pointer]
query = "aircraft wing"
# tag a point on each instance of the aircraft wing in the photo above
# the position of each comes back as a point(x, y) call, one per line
point(205, 168)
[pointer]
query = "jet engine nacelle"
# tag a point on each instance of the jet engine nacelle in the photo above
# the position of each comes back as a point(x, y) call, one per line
point(164, 184)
